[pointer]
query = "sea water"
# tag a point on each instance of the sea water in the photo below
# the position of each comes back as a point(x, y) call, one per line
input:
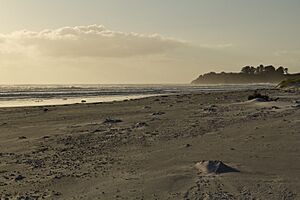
point(41, 95)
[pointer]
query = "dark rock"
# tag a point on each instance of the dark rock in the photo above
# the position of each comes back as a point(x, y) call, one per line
point(3, 184)
point(297, 105)
point(211, 108)
point(19, 178)
point(112, 121)
point(275, 107)
point(261, 98)
point(141, 125)
point(158, 113)
point(57, 193)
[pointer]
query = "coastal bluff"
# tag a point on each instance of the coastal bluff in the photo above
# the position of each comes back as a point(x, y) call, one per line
point(248, 75)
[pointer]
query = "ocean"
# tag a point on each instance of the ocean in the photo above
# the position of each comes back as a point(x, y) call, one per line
point(41, 95)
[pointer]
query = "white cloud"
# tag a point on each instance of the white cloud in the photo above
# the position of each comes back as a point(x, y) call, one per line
point(85, 41)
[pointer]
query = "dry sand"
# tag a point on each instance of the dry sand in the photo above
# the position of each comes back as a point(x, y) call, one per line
point(148, 148)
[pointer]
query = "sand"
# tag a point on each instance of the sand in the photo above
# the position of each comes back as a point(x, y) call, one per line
point(148, 148)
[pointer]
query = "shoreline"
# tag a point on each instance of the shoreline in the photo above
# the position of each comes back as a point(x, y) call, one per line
point(21, 96)
point(89, 100)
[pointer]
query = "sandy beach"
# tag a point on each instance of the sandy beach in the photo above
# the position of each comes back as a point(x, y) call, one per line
point(148, 148)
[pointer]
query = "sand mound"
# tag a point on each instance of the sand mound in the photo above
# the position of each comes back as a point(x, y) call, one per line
point(215, 166)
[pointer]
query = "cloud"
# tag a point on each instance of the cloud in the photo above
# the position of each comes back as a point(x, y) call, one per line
point(217, 46)
point(286, 53)
point(85, 41)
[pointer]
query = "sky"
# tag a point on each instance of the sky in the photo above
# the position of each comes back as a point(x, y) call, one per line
point(143, 41)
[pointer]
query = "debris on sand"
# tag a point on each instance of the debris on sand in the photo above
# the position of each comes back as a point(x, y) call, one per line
point(83, 101)
point(19, 178)
point(22, 138)
point(188, 145)
point(158, 113)
point(211, 108)
point(297, 104)
point(275, 107)
point(261, 98)
point(141, 125)
point(112, 121)
point(214, 166)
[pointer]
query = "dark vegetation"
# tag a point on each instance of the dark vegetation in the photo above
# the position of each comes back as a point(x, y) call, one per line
point(293, 82)
point(248, 74)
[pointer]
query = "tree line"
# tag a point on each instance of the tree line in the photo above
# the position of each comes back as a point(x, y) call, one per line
point(261, 69)
point(248, 74)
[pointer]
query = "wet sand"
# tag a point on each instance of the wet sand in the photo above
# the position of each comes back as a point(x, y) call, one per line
point(148, 148)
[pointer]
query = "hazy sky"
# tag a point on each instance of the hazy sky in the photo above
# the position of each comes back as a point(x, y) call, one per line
point(143, 41)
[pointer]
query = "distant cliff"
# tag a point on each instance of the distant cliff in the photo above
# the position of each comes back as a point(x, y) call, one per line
point(248, 74)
